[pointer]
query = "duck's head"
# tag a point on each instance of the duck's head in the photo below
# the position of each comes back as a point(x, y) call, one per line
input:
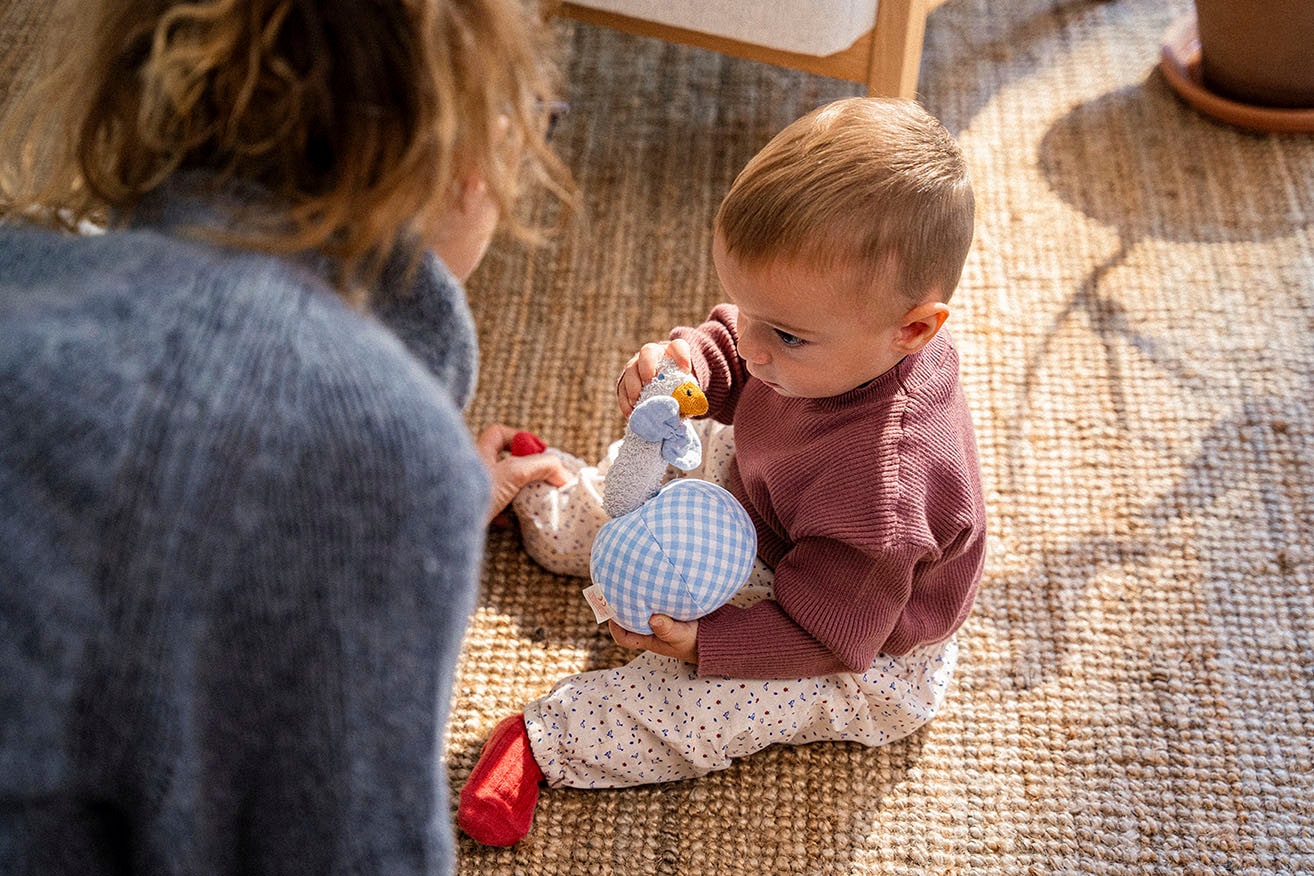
point(692, 401)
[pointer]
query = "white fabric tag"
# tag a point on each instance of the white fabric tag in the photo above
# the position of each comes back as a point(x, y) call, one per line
point(602, 610)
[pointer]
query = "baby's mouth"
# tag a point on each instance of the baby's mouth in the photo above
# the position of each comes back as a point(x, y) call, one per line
point(770, 384)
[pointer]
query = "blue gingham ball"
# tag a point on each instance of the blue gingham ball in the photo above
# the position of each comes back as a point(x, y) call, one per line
point(682, 553)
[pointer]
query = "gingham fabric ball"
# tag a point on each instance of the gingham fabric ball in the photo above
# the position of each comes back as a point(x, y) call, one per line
point(682, 553)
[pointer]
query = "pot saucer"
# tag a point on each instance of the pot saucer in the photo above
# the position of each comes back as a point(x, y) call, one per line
point(1180, 63)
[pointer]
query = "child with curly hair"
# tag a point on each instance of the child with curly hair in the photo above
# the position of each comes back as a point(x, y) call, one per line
point(241, 514)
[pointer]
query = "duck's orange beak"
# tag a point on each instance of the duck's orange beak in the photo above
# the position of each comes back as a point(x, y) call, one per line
point(691, 399)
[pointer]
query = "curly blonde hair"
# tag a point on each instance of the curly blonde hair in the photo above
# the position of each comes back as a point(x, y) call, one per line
point(872, 183)
point(363, 119)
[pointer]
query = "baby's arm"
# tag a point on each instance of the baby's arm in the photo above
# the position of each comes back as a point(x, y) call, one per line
point(834, 606)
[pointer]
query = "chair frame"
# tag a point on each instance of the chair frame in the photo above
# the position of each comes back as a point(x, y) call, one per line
point(886, 58)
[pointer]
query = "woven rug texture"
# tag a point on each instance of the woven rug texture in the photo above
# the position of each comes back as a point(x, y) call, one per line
point(1136, 688)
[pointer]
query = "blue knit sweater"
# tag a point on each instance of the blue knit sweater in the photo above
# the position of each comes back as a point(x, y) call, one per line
point(240, 531)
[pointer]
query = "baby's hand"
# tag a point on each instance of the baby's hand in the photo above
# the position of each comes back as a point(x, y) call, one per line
point(671, 638)
point(642, 368)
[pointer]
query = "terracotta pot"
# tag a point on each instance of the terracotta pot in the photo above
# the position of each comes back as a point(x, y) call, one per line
point(1258, 52)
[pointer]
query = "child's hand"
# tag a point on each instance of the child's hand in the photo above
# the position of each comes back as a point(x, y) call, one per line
point(643, 367)
point(510, 473)
point(671, 638)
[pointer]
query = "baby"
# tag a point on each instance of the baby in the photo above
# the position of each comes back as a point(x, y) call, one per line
point(836, 418)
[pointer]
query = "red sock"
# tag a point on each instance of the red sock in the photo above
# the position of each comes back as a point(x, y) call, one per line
point(498, 800)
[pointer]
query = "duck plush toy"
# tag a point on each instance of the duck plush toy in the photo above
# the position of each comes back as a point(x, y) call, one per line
point(682, 548)
point(658, 434)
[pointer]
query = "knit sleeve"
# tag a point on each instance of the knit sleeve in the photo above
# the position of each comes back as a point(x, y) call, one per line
point(834, 607)
point(716, 363)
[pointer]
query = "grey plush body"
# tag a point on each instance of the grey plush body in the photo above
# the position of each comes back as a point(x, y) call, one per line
point(653, 442)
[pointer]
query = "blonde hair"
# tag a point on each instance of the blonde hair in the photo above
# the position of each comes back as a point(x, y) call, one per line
point(875, 184)
point(363, 118)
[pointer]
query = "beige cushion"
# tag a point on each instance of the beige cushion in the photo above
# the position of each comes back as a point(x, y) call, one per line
point(810, 27)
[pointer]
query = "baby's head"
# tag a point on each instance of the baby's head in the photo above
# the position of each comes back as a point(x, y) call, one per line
point(848, 230)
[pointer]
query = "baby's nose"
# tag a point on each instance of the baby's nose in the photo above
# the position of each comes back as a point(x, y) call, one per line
point(750, 352)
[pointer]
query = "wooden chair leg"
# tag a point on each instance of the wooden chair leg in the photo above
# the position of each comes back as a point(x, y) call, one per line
point(896, 50)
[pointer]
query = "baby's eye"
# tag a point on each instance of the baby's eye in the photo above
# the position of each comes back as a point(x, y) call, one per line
point(789, 340)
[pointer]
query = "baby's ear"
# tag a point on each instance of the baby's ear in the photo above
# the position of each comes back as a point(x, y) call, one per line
point(921, 324)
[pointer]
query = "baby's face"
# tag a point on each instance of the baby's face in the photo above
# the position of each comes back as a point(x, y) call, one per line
point(800, 332)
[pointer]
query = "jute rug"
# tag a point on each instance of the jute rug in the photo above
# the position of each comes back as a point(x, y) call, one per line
point(1135, 321)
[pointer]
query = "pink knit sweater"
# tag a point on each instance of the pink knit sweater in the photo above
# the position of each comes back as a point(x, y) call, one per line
point(868, 506)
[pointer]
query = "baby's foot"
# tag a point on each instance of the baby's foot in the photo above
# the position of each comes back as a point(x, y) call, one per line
point(498, 800)
point(558, 524)
point(526, 444)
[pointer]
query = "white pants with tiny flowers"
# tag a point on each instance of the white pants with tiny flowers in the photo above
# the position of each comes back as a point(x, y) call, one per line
point(655, 719)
